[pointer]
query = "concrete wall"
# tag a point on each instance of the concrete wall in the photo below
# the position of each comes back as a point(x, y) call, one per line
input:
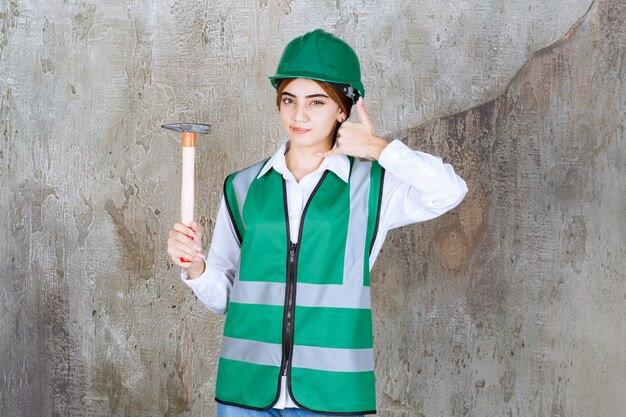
point(512, 304)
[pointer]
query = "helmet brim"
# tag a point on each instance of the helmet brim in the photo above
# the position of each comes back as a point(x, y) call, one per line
point(356, 84)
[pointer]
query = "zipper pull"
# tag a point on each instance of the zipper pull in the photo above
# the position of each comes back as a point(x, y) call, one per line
point(292, 252)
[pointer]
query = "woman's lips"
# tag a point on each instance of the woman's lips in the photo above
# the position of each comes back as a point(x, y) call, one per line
point(299, 130)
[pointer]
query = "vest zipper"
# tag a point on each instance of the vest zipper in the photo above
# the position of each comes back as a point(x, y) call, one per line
point(289, 305)
point(290, 290)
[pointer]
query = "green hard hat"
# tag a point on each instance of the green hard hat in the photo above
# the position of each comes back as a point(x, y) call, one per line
point(320, 56)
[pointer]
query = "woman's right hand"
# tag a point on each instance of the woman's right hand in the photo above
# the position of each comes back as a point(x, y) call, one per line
point(184, 247)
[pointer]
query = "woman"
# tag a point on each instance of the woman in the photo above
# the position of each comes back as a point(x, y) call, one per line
point(296, 236)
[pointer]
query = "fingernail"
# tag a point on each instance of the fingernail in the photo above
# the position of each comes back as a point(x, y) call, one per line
point(200, 256)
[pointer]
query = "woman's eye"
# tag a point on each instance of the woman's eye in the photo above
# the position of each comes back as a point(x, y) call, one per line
point(317, 102)
point(287, 101)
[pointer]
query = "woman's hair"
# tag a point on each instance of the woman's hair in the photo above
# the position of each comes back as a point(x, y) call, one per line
point(334, 91)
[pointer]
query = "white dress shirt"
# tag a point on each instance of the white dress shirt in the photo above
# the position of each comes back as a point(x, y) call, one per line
point(417, 187)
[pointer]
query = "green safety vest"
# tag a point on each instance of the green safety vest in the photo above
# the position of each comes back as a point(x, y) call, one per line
point(302, 310)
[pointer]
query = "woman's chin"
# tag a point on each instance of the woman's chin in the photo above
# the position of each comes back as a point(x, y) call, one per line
point(307, 142)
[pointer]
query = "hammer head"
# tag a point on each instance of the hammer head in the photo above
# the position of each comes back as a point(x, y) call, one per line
point(187, 128)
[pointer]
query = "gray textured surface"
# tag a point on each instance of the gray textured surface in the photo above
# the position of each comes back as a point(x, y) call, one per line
point(513, 304)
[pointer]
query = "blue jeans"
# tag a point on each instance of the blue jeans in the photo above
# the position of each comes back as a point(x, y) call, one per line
point(224, 410)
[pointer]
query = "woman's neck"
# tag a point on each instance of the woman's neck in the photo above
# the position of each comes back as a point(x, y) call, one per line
point(301, 161)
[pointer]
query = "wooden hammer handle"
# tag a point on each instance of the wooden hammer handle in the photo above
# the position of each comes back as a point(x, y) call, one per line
point(187, 184)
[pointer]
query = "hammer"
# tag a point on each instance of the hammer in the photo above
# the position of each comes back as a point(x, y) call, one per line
point(189, 133)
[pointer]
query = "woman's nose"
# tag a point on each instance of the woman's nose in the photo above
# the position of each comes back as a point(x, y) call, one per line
point(301, 114)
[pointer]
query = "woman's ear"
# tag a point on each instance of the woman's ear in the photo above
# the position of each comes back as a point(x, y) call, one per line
point(341, 117)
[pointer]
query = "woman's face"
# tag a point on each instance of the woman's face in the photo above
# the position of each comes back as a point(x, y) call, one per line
point(308, 114)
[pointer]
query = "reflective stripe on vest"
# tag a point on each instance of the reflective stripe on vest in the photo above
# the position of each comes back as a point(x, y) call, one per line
point(324, 341)
point(311, 357)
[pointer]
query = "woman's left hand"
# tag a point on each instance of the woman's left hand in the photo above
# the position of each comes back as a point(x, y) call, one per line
point(358, 139)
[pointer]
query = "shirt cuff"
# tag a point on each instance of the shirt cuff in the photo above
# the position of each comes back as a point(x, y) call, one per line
point(197, 283)
point(397, 150)
point(393, 151)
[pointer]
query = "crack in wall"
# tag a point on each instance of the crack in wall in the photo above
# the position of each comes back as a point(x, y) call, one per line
point(571, 31)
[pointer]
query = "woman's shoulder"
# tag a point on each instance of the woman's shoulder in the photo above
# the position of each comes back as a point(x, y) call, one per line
point(250, 170)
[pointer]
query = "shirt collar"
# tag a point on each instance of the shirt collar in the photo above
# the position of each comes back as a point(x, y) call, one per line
point(338, 163)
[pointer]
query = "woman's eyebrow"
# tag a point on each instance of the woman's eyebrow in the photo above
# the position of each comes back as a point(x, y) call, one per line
point(287, 93)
